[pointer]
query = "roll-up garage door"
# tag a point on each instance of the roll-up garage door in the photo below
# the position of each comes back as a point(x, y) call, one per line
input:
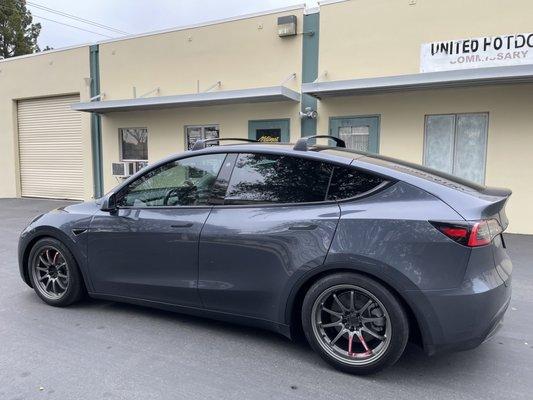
point(50, 148)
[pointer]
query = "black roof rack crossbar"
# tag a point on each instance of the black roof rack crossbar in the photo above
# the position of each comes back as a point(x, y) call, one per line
point(200, 143)
point(301, 144)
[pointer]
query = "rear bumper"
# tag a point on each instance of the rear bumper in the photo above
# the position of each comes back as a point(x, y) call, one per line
point(464, 318)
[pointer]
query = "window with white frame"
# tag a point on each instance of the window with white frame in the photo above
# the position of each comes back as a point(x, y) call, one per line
point(133, 144)
point(457, 144)
point(198, 132)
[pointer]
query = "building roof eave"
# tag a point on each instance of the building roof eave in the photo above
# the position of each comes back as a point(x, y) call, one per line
point(425, 80)
point(254, 95)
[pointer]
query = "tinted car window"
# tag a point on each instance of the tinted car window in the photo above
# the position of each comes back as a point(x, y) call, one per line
point(349, 182)
point(267, 178)
point(179, 183)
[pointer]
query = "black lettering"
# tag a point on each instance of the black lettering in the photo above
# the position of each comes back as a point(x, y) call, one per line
point(486, 43)
point(434, 48)
point(474, 45)
point(519, 41)
point(509, 41)
point(444, 48)
point(466, 46)
point(498, 43)
point(530, 40)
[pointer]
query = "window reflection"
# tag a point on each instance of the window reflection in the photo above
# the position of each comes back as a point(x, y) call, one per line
point(179, 183)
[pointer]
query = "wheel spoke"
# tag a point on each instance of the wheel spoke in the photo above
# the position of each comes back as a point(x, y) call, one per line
point(54, 286)
point(61, 275)
point(344, 309)
point(363, 341)
point(372, 333)
point(42, 260)
point(365, 320)
point(48, 257)
point(61, 284)
point(352, 300)
point(332, 312)
point(339, 335)
point(363, 309)
point(42, 269)
point(332, 324)
point(42, 278)
point(350, 343)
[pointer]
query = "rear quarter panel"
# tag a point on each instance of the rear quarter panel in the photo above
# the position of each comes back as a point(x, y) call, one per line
point(389, 235)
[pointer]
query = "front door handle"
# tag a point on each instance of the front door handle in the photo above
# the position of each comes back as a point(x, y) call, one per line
point(182, 225)
point(303, 227)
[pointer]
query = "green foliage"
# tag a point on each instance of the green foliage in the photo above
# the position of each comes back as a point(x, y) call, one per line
point(18, 35)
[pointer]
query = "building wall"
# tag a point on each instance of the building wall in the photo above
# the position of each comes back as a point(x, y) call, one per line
point(371, 38)
point(510, 134)
point(166, 128)
point(47, 74)
point(243, 53)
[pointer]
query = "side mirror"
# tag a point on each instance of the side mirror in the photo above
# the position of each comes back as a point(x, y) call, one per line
point(109, 203)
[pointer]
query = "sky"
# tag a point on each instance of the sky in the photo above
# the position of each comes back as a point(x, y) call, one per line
point(137, 16)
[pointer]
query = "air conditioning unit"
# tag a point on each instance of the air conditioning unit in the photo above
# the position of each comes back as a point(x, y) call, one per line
point(123, 169)
point(127, 168)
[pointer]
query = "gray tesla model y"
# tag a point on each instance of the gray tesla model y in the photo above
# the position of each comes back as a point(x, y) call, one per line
point(358, 252)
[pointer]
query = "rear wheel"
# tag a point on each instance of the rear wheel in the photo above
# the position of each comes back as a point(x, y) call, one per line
point(354, 323)
point(54, 273)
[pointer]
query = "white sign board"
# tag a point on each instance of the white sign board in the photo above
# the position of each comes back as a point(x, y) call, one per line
point(481, 52)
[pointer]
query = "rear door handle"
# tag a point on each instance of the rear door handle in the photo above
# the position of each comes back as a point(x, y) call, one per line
point(182, 225)
point(303, 227)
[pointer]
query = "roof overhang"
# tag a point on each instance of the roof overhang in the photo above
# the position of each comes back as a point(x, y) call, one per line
point(426, 80)
point(255, 95)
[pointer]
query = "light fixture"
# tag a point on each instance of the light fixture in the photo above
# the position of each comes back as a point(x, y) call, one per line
point(287, 25)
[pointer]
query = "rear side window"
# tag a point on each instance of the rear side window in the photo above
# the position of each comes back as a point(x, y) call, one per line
point(268, 178)
point(349, 182)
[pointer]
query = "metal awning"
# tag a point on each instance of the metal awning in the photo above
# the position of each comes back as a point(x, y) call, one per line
point(426, 80)
point(255, 95)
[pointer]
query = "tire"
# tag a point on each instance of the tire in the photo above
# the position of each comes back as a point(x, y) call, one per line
point(54, 273)
point(348, 336)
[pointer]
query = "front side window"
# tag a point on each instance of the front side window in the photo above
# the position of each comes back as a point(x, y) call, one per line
point(133, 144)
point(348, 182)
point(186, 182)
point(457, 144)
point(199, 132)
point(267, 178)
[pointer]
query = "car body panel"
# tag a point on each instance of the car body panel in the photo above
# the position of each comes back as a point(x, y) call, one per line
point(248, 254)
point(151, 253)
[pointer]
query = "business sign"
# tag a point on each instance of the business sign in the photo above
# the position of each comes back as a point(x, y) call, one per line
point(481, 52)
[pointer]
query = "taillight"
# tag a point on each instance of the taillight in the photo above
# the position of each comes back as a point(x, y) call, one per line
point(471, 234)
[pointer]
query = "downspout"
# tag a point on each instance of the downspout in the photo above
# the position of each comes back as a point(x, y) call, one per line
point(309, 68)
point(96, 123)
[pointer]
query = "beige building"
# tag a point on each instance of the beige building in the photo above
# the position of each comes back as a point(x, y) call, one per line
point(447, 84)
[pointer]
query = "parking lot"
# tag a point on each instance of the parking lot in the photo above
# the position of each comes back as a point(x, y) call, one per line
point(105, 350)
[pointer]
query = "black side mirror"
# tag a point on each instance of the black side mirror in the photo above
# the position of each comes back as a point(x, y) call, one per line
point(109, 203)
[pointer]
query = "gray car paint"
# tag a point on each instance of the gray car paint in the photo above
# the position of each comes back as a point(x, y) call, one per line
point(456, 294)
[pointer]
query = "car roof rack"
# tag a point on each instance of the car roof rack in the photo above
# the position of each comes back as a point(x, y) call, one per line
point(201, 143)
point(301, 144)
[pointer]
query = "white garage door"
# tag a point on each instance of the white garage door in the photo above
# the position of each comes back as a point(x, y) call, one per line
point(50, 148)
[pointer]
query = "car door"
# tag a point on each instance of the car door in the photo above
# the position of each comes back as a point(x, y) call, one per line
point(274, 223)
point(148, 247)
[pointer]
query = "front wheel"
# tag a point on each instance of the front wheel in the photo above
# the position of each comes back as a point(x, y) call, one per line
point(354, 323)
point(54, 273)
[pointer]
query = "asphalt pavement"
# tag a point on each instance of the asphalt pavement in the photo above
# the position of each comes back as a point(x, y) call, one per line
point(105, 350)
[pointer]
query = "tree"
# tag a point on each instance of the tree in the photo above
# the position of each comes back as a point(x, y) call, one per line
point(18, 33)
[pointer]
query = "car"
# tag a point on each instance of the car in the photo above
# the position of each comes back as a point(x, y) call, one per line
point(355, 252)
